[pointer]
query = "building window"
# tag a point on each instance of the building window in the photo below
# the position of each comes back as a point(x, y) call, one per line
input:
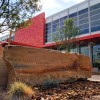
point(74, 18)
point(95, 28)
point(48, 28)
point(83, 11)
point(84, 26)
point(94, 12)
point(84, 31)
point(84, 50)
point(63, 19)
point(96, 56)
point(83, 21)
point(12, 38)
point(95, 23)
point(61, 27)
point(54, 30)
point(73, 15)
point(95, 7)
point(73, 50)
point(55, 22)
point(48, 31)
point(83, 16)
point(55, 26)
point(75, 23)
point(55, 37)
point(48, 39)
point(61, 23)
point(95, 17)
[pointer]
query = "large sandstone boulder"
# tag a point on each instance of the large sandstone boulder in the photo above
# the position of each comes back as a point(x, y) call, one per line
point(36, 65)
point(3, 71)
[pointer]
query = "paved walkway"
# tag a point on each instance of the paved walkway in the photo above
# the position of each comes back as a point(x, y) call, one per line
point(95, 78)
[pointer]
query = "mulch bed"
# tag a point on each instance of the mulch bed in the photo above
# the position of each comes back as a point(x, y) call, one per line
point(95, 73)
point(79, 90)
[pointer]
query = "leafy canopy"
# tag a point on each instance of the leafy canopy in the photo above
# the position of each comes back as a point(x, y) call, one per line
point(13, 13)
point(67, 35)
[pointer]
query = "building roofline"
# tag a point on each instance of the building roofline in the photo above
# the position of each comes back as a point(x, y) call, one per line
point(67, 8)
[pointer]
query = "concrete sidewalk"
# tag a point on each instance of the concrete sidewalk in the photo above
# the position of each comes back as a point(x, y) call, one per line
point(94, 78)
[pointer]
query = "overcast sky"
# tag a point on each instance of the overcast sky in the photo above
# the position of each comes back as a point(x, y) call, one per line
point(51, 7)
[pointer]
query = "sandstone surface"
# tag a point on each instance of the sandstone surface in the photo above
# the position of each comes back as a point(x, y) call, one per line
point(3, 71)
point(37, 65)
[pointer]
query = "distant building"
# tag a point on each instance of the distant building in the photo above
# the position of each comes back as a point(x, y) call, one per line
point(5, 36)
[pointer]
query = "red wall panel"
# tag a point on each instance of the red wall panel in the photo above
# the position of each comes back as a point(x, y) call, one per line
point(34, 34)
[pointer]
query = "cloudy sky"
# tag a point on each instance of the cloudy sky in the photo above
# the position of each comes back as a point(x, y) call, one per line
point(53, 6)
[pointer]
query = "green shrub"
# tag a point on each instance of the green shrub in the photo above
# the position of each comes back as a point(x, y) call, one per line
point(48, 84)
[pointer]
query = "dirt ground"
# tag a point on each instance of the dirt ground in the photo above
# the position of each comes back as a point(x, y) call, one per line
point(79, 90)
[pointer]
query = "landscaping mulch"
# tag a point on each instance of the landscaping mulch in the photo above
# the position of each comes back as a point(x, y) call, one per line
point(79, 90)
point(95, 73)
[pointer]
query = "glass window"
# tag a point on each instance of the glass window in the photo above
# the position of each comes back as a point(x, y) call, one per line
point(48, 31)
point(63, 18)
point(61, 23)
point(83, 16)
point(45, 35)
point(4, 38)
point(75, 23)
point(83, 11)
point(48, 35)
point(95, 7)
point(73, 15)
point(12, 38)
point(73, 50)
point(96, 56)
point(95, 28)
point(55, 26)
point(61, 27)
point(84, 26)
point(97, 11)
point(45, 40)
point(55, 36)
point(84, 31)
point(54, 29)
point(55, 22)
point(96, 17)
point(48, 39)
point(74, 18)
point(94, 23)
point(48, 26)
point(83, 21)
point(84, 50)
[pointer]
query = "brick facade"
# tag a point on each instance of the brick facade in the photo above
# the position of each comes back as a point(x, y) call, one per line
point(32, 35)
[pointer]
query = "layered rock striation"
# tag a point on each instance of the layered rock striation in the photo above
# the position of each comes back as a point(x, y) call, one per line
point(36, 65)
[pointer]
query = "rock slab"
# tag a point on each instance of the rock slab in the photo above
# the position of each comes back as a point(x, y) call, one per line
point(36, 65)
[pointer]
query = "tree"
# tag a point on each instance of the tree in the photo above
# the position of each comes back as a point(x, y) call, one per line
point(67, 36)
point(13, 13)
